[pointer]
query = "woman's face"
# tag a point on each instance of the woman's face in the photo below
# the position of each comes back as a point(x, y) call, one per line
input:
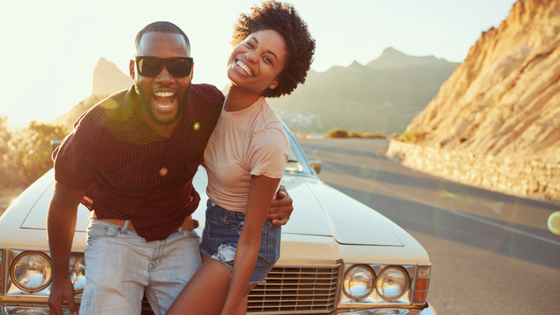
point(255, 64)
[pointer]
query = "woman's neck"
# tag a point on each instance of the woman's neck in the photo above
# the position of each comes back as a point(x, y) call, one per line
point(239, 99)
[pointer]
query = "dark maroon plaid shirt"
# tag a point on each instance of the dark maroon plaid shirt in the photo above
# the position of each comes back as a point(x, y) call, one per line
point(132, 173)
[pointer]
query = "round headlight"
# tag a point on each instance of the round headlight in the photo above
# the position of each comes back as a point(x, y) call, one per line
point(392, 283)
point(31, 271)
point(78, 272)
point(358, 282)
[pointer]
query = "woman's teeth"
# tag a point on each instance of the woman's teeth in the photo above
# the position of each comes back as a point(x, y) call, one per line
point(243, 67)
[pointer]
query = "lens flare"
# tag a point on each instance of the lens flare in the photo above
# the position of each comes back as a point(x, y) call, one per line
point(196, 125)
point(554, 223)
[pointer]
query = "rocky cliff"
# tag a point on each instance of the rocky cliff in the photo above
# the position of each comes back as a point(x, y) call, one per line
point(107, 79)
point(495, 122)
point(504, 99)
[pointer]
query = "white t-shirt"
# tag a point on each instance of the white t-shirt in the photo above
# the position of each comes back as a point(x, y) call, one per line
point(248, 142)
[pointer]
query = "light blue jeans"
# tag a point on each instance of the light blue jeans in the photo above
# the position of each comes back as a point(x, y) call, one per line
point(121, 266)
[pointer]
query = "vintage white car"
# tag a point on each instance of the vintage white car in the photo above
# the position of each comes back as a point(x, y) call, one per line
point(337, 256)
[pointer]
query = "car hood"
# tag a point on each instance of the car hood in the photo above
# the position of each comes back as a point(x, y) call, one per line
point(324, 211)
point(318, 210)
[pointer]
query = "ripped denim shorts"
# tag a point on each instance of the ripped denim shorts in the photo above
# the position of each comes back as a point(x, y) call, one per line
point(221, 234)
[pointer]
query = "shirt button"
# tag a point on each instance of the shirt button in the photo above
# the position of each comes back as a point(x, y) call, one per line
point(163, 171)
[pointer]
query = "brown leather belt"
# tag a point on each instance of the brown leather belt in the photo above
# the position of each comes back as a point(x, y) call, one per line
point(188, 224)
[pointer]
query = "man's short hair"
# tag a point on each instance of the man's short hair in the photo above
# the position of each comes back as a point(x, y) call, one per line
point(162, 27)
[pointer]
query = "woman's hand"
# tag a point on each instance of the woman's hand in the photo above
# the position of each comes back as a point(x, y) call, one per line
point(281, 208)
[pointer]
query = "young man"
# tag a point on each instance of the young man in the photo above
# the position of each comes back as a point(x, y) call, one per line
point(130, 160)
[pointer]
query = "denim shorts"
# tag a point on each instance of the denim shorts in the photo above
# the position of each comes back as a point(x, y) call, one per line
point(221, 234)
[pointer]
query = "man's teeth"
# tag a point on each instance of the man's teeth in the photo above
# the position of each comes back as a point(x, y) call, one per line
point(244, 68)
point(164, 94)
point(164, 106)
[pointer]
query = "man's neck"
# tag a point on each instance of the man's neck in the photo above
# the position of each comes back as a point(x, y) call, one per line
point(162, 130)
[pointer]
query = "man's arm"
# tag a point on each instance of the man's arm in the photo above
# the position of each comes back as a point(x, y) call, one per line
point(61, 224)
point(281, 207)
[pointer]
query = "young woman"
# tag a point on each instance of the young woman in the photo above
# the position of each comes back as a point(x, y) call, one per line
point(245, 159)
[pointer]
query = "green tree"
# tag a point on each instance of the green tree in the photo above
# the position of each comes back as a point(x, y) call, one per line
point(29, 155)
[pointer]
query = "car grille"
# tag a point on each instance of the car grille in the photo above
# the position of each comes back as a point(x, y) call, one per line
point(292, 289)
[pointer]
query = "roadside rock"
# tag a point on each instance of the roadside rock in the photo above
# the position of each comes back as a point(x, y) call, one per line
point(501, 104)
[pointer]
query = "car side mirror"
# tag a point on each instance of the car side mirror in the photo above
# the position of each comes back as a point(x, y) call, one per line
point(316, 164)
point(55, 144)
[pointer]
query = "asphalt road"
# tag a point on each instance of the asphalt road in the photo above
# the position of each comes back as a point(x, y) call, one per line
point(491, 253)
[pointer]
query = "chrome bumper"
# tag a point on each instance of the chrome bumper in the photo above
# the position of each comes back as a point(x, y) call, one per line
point(428, 310)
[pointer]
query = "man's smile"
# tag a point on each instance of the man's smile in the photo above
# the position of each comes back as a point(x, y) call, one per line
point(164, 100)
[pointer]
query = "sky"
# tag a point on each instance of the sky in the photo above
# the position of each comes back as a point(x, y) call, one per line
point(50, 48)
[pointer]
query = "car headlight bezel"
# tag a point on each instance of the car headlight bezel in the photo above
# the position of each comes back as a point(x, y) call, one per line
point(48, 275)
point(404, 288)
point(77, 259)
point(370, 290)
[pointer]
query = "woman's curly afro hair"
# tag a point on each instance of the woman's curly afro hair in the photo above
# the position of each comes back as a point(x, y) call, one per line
point(284, 19)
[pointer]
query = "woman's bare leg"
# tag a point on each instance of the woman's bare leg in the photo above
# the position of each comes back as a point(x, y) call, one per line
point(206, 292)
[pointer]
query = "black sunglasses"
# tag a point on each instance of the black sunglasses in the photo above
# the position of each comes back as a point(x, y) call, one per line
point(178, 67)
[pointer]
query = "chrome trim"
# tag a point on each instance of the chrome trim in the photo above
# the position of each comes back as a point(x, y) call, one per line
point(32, 309)
point(344, 277)
point(374, 299)
point(427, 310)
point(408, 282)
point(14, 254)
point(309, 288)
point(12, 291)
point(413, 287)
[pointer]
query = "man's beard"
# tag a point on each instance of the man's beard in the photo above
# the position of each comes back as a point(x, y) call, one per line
point(181, 104)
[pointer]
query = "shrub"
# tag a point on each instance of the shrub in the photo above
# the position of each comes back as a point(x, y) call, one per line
point(25, 155)
point(372, 135)
point(412, 136)
point(337, 133)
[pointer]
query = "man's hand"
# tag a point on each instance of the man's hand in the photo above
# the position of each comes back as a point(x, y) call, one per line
point(281, 207)
point(61, 224)
point(62, 290)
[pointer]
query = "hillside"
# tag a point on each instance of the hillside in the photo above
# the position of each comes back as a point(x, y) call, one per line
point(383, 95)
point(107, 79)
point(496, 122)
point(504, 99)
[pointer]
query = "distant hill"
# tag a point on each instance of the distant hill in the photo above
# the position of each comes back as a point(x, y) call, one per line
point(383, 95)
point(107, 79)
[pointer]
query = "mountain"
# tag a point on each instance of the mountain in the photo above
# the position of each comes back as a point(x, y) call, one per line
point(383, 95)
point(107, 79)
point(495, 123)
point(504, 99)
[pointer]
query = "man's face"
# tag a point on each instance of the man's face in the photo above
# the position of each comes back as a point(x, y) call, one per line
point(164, 96)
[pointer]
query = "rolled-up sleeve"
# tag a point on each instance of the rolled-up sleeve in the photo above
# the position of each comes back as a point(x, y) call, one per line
point(73, 167)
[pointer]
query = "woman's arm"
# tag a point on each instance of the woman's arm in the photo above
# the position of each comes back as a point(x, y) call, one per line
point(261, 192)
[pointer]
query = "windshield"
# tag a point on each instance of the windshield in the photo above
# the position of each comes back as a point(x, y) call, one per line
point(297, 162)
